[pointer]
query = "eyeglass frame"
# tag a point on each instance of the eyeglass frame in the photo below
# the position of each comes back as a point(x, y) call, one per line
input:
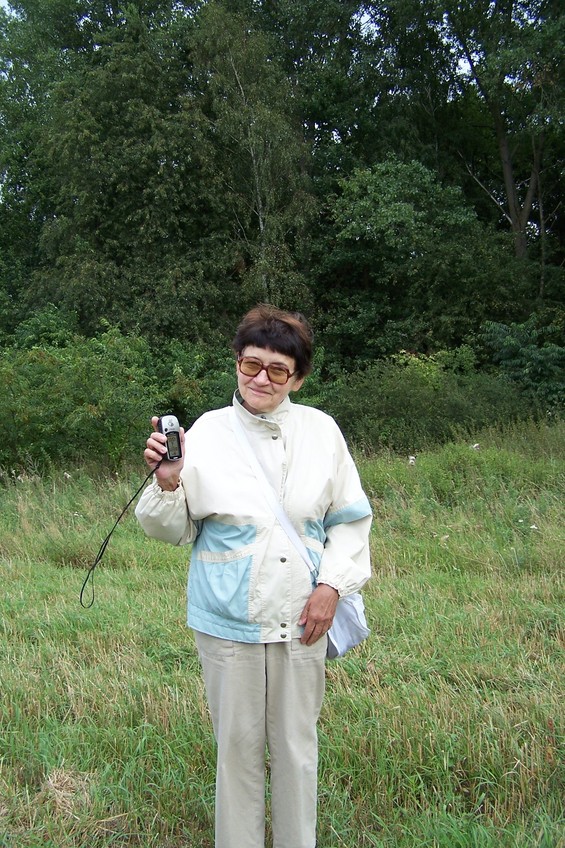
point(265, 368)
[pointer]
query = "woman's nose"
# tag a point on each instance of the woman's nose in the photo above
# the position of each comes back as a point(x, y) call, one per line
point(262, 378)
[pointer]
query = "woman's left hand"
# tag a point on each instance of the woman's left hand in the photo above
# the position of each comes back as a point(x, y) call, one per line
point(318, 614)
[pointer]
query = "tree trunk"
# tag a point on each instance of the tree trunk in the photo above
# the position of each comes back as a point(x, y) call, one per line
point(519, 213)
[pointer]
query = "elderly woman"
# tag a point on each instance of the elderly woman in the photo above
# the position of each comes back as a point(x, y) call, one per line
point(260, 616)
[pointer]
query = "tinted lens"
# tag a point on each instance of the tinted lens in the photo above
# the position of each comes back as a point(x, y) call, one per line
point(250, 367)
point(277, 374)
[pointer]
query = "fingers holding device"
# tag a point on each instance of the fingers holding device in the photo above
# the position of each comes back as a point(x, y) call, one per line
point(164, 451)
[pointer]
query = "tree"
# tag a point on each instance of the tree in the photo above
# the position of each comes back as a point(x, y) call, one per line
point(164, 165)
point(508, 54)
point(253, 142)
point(409, 265)
point(123, 157)
point(513, 50)
point(114, 184)
point(165, 177)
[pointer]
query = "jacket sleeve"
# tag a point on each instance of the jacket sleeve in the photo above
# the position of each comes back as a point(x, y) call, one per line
point(345, 563)
point(165, 516)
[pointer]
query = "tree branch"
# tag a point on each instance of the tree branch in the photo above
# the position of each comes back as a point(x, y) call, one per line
point(485, 189)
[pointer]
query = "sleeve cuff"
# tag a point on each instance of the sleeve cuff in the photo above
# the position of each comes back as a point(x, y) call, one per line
point(165, 496)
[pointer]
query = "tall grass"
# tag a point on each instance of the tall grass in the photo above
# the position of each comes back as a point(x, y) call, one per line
point(444, 729)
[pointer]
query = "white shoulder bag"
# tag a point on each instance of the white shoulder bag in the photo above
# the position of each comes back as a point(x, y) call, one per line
point(349, 627)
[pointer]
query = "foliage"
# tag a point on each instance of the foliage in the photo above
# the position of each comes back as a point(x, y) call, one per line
point(164, 166)
point(407, 403)
point(125, 158)
point(46, 327)
point(171, 180)
point(67, 397)
point(430, 271)
point(195, 377)
point(501, 69)
point(528, 357)
point(70, 398)
point(252, 137)
point(90, 400)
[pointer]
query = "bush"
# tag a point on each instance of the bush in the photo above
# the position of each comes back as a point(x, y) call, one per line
point(196, 377)
point(89, 400)
point(527, 355)
point(47, 327)
point(70, 399)
point(407, 403)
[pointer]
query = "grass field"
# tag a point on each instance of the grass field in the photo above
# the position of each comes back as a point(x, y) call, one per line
point(444, 729)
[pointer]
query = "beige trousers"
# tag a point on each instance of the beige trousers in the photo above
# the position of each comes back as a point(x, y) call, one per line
point(264, 695)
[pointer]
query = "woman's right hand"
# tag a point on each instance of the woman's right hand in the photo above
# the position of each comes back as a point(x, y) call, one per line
point(168, 473)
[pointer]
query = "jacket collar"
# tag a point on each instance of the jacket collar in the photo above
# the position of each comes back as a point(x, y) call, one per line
point(278, 417)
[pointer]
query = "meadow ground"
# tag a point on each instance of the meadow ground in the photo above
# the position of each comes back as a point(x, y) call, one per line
point(444, 729)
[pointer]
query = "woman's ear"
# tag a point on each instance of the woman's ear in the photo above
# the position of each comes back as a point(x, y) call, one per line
point(297, 384)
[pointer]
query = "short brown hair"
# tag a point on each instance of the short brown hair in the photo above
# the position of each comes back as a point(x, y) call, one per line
point(283, 332)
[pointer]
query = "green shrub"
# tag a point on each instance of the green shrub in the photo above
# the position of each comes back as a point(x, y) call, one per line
point(409, 402)
point(67, 399)
point(196, 377)
point(48, 327)
point(90, 400)
point(527, 355)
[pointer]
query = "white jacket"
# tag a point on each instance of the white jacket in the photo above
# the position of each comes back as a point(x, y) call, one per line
point(247, 582)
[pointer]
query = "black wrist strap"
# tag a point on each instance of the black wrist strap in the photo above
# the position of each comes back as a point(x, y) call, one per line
point(90, 575)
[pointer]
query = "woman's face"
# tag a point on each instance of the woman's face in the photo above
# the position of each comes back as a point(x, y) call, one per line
point(259, 393)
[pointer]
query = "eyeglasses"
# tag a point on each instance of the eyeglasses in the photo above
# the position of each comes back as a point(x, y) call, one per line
point(251, 367)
